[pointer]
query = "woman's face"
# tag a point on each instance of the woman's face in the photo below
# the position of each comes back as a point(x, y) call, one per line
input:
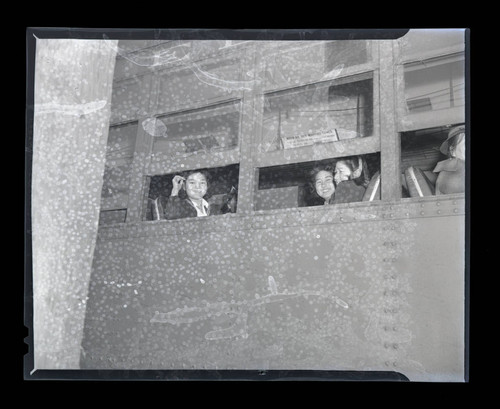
point(342, 172)
point(196, 186)
point(324, 184)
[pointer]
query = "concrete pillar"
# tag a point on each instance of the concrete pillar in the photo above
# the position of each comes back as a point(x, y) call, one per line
point(73, 82)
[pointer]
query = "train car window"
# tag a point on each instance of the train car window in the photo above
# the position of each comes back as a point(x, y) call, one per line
point(218, 187)
point(434, 85)
point(432, 113)
point(115, 190)
point(209, 129)
point(319, 113)
point(432, 78)
point(433, 161)
point(342, 180)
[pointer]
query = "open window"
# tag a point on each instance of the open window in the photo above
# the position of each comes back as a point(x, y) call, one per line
point(425, 155)
point(289, 186)
point(221, 194)
point(432, 104)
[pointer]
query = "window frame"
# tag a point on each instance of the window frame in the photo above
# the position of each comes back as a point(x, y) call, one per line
point(331, 150)
point(367, 144)
point(384, 67)
point(144, 164)
point(406, 122)
point(159, 164)
point(105, 203)
point(427, 119)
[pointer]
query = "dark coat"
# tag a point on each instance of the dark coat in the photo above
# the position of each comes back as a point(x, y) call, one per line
point(177, 208)
point(348, 191)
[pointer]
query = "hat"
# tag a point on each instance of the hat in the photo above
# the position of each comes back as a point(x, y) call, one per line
point(453, 132)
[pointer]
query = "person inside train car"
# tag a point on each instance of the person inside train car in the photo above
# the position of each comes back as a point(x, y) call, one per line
point(451, 171)
point(448, 176)
point(187, 198)
point(347, 181)
point(351, 178)
point(322, 185)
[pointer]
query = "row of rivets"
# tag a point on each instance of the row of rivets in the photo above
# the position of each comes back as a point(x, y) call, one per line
point(127, 230)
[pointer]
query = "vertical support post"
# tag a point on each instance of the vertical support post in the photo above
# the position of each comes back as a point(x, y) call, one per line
point(389, 137)
point(249, 122)
point(142, 157)
point(69, 141)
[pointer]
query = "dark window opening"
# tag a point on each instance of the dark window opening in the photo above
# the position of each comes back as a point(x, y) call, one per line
point(425, 157)
point(290, 186)
point(221, 194)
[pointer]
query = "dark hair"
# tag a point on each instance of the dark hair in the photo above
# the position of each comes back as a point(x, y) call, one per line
point(186, 174)
point(353, 162)
point(314, 172)
point(350, 162)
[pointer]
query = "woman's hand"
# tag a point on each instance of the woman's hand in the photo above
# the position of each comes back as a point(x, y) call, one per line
point(177, 183)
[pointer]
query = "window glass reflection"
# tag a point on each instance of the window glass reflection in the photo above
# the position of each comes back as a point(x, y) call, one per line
point(434, 86)
point(317, 114)
point(209, 129)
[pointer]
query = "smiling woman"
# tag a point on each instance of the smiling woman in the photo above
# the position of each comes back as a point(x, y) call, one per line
point(330, 181)
point(196, 193)
point(346, 182)
point(323, 183)
point(194, 205)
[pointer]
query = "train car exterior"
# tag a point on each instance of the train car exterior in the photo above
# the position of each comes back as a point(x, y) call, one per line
point(275, 282)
